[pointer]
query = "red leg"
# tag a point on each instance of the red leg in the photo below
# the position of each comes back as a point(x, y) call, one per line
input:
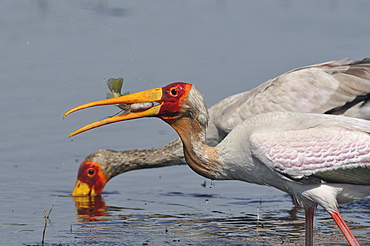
point(344, 228)
point(309, 214)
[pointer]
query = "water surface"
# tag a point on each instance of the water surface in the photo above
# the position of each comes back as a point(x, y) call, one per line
point(55, 55)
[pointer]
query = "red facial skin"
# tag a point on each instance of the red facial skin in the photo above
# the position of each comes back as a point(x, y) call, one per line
point(172, 95)
point(90, 173)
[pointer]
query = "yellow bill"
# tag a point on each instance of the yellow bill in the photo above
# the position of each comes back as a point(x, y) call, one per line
point(148, 96)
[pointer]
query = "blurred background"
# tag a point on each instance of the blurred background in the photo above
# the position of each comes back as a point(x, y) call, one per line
point(55, 55)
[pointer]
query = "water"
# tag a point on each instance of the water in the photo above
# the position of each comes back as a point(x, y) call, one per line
point(55, 55)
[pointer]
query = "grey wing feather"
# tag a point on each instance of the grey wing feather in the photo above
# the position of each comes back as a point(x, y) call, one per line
point(358, 175)
point(338, 87)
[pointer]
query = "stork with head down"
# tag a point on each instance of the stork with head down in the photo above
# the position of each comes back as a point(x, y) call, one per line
point(319, 159)
point(337, 87)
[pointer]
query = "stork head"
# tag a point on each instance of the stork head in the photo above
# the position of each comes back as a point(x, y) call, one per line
point(91, 179)
point(99, 167)
point(169, 103)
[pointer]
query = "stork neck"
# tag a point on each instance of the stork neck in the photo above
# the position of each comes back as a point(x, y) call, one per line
point(114, 162)
point(202, 158)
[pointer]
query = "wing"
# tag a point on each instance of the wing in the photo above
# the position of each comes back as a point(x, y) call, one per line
point(329, 152)
point(338, 87)
point(223, 117)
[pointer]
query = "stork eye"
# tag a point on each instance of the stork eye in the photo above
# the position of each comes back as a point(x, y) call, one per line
point(90, 172)
point(173, 92)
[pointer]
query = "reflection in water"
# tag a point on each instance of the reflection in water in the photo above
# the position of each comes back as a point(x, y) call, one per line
point(275, 226)
point(90, 208)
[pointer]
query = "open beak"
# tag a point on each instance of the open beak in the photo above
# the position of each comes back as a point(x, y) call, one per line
point(148, 96)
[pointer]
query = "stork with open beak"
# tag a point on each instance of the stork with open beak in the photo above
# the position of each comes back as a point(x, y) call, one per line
point(319, 159)
point(336, 87)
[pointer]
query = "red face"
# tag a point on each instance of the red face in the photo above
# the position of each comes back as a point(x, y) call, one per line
point(90, 179)
point(172, 95)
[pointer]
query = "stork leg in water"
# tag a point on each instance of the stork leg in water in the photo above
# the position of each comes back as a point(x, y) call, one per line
point(344, 228)
point(309, 215)
point(319, 159)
